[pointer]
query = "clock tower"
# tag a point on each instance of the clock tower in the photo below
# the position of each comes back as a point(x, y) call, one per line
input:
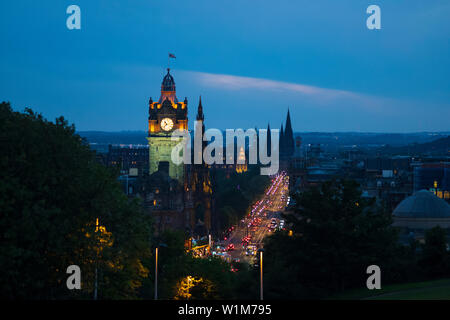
point(166, 115)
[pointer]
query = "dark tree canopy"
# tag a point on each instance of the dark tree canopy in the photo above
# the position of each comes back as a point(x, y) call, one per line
point(336, 235)
point(435, 259)
point(236, 192)
point(52, 191)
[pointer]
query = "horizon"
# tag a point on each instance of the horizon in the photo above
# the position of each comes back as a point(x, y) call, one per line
point(362, 132)
point(295, 132)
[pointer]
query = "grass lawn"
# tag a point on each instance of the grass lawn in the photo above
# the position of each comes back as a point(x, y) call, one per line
point(429, 290)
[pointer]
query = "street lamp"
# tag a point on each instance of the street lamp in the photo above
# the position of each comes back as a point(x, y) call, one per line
point(261, 272)
point(156, 268)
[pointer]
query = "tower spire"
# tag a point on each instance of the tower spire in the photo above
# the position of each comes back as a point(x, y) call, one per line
point(289, 136)
point(288, 122)
point(200, 115)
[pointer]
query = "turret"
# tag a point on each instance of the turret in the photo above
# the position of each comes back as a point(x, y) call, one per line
point(168, 88)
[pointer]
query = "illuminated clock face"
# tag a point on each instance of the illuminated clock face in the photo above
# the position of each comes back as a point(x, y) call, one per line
point(166, 124)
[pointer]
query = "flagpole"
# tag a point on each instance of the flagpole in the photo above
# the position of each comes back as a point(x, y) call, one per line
point(170, 55)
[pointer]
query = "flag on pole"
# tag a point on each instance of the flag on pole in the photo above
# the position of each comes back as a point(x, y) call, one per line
point(172, 56)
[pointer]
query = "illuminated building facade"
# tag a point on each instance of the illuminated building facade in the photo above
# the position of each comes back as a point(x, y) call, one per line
point(166, 115)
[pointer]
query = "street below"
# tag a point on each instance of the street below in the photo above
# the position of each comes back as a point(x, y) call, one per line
point(264, 219)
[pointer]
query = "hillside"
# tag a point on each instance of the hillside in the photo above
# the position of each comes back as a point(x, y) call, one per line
point(439, 146)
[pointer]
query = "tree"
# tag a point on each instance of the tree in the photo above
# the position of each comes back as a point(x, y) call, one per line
point(52, 191)
point(182, 276)
point(336, 234)
point(434, 259)
point(236, 192)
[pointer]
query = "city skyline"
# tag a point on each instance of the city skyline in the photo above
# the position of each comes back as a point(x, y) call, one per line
point(336, 77)
point(198, 155)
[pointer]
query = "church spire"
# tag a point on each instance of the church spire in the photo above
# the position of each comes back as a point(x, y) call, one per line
point(289, 144)
point(200, 115)
point(288, 123)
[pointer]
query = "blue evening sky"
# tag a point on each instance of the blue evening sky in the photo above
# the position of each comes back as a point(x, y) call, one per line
point(249, 60)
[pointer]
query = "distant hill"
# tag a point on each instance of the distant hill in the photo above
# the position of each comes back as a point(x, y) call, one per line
point(368, 139)
point(439, 146)
point(389, 142)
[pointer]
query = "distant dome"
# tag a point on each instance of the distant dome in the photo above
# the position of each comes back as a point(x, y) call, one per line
point(423, 204)
point(422, 210)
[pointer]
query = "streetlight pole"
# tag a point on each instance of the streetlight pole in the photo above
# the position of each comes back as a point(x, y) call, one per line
point(96, 263)
point(156, 267)
point(261, 273)
point(156, 273)
point(96, 283)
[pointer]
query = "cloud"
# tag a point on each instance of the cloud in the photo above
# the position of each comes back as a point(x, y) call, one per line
point(324, 97)
point(318, 96)
point(232, 82)
point(257, 99)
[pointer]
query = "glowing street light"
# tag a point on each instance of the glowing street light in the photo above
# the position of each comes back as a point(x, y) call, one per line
point(261, 273)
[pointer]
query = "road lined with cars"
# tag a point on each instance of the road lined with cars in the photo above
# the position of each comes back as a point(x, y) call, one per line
point(242, 241)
